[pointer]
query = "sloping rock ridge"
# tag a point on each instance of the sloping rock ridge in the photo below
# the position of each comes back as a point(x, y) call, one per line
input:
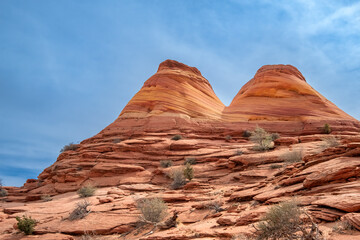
point(233, 185)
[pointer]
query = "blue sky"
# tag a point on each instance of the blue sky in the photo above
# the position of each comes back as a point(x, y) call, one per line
point(67, 68)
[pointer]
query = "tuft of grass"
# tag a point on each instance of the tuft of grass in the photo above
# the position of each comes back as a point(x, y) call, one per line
point(176, 137)
point(188, 171)
point(327, 128)
point(166, 163)
point(292, 156)
point(178, 179)
point(70, 147)
point(86, 191)
point(262, 138)
point(153, 210)
point(190, 160)
point(80, 211)
point(26, 224)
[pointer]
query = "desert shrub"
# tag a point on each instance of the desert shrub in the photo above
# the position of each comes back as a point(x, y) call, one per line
point(86, 191)
point(292, 156)
point(80, 211)
point(262, 138)
point(190, 160)
point(46, 198)
point(176, 137)
point(275, 166)
point(326, 128)
point(239, 152)
point(275, 136)
point(188, 171)
point(246, 134)
point(152, 210)
point(216, 206)
point(166, 163)
point(116, 140)
point(26, 224)
point(330, 141)
point(228, 137)
point(70, 146)
point(178, 179)
point(342, 226)
point(3, 192)
point(281, 221)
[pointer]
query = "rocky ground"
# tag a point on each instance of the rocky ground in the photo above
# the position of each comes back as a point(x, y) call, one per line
point(233, 187)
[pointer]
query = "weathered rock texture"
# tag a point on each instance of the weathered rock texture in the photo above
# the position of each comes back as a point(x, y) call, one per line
point(233, 184)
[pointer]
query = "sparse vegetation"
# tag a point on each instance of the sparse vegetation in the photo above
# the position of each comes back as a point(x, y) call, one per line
point(117, 140)
point(228, 137)
point(216, 206)
point(283, 221)
point(190, 160)
point(292, 156)
point(178, 179)
point(188, 171)
point(327, 128)
point(153, 210)
point(166, 163)
point(262, 138)
point(239, 152)
point(70, 146)
point(176, 137)
point(3, 192)
point(86, 191)
point(80, 211)
point(275, 136)
point(246, 134)
point(46, 198)
point(343, 226)
point(26, 224)
point(275, 166)
point(330, 141)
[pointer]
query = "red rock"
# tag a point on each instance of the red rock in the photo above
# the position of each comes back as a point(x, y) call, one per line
point(344, 202)
point(353, 219)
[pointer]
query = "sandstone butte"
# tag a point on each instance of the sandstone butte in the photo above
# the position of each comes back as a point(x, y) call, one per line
point(233, 186)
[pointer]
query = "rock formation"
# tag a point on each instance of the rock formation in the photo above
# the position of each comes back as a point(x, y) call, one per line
point(233, 184)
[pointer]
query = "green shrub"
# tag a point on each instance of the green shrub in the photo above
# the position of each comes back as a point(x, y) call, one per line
point(292, 156)
point(152, 210)
point(262, 138)
point(80, 211)
point(188, 171)
point(178, 179)
point(326, 128)
point(86, 191)
point(70, 147)
point(26, 224)
point(166, 163)
point(176, 137)
point(190, 160)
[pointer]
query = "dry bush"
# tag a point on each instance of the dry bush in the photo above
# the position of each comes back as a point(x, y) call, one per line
point(246, 134)
point(80, 211)
point(262, 138)
point(86, 191)
point(283, 221)
point(228, 137)
point(275, 166)
point(70, 146)
point(3, 192)
point(342, 227)
point(176, 137)
point(216, 206)
point(190, 160)
point(188, 172)
point(275, 136)
point(116, 140)
point(326, 128)
point(292, 156)
point(46, 198)
point(178, 178)
point(26, 224)
point(153, 210)
point(330, 141)
point(166, 163)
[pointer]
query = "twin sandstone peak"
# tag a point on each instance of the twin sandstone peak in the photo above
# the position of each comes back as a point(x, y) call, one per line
point(178, 96)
